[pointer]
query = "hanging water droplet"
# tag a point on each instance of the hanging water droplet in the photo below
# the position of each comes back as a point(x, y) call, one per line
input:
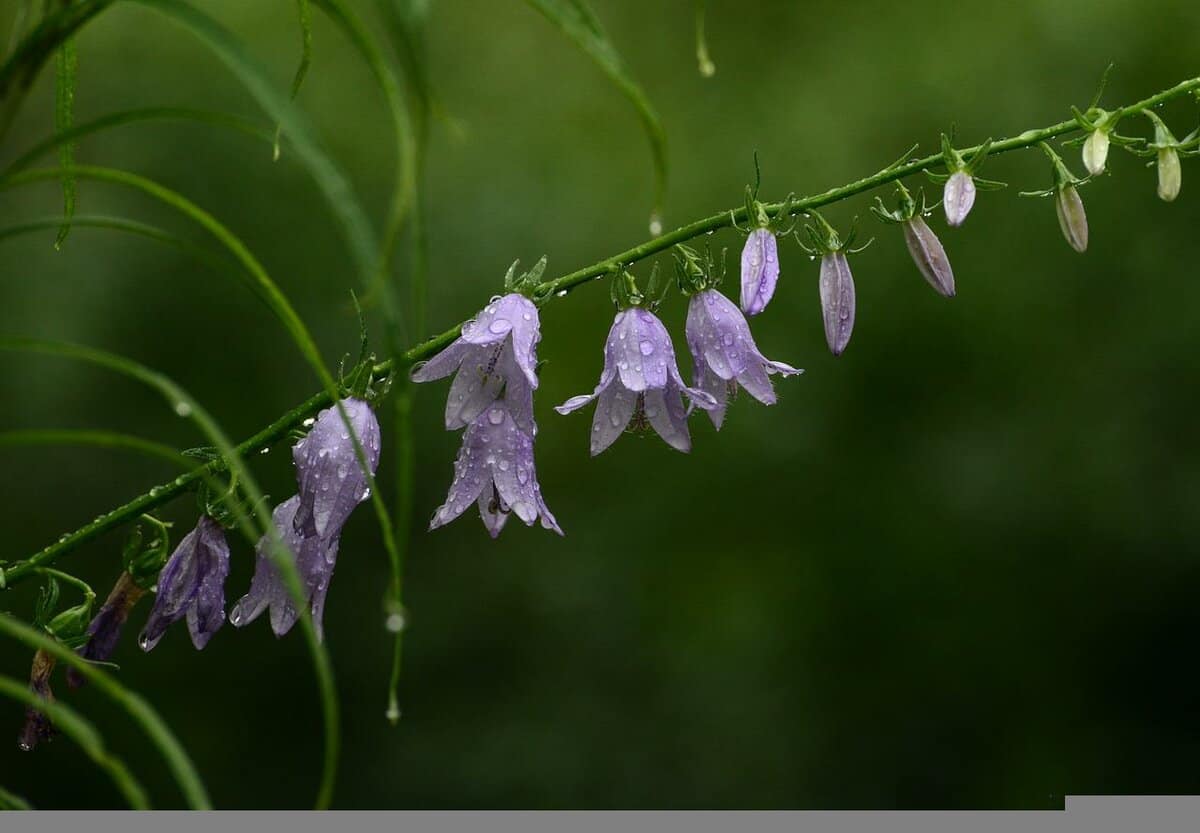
point(183, 409)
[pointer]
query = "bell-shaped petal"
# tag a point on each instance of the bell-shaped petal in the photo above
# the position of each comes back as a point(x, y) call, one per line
point(638, 358)
point(837, 301)
point(724, 354)
point(192, 586)
point(958, 196)
point(1072, 219)
point(760, 270)
point(929, 255)
point(495, 355)
point(331, 480)
point(314, 558)
point(1170, 176)
point(495, 469)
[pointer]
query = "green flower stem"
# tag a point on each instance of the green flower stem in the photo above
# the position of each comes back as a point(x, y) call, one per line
point(549, 290)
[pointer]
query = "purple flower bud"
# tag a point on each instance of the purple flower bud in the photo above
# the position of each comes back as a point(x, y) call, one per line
point(1071, 217)
point(495, 469)
point(191, 585)
point(760, 270)
point(1095, 152)
point(331, 481)
point(105, 629)
point(928, 254)
point(724, 354)
point(837, 301)
point(640, 384)
point(496, 353)
point(315, 558)
point(958, 196)
point(1170, 176)
point(37, 726)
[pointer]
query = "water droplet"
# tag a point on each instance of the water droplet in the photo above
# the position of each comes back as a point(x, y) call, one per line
point(504, 465)
point(394, 623)
point(308, 423)
point(647, 347)
point(266, 450)
point(500, 326)
point(183, 409)
point(562, 293)
point(496, 416)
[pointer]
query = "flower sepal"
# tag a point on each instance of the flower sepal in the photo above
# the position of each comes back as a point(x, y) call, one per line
point(527, 282)
point(694, 272)
point(143, 559)
point(906, 207)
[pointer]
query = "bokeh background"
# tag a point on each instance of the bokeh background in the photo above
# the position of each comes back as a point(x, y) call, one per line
point(956, 567)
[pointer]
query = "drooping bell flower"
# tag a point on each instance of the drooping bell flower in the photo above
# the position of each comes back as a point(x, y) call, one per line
point(1072, 219)
point(760, 255)
point(331, 480)
point(495, 354)
point(961, 180)
point(314, 558)
point(836, 282)
point(926, 249)
point(724, 355)
point(640, 384)
point(1166, 150)
point(104, 631)
point(495, 469)
point(191, 586)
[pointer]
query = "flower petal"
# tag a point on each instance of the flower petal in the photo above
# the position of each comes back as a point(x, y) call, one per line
point(664, 409)
point(475, 387)
point(760, 270)
point(614, 409)
point(331, 480)
point(443, 364)
point(837, 301)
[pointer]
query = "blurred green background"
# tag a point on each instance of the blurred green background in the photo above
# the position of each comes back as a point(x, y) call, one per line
point(956, 567)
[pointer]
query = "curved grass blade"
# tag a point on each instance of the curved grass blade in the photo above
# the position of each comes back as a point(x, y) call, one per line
point(64, 116)
point(74, 726)
point(329, 178)
point(94, 439)
point(579, 23)
point(185, 406)
point(304, 12)
point(10, 801)
point(215, 118)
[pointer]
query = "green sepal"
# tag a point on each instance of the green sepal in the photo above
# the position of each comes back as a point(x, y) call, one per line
point(144, 559)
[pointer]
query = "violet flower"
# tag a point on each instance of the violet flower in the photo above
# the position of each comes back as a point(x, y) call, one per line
point(724, 354)
point(496, 353)
point(328, 472)
point(760, 270)
point(837, 300)
point(495, 469)
point(192, 586)
point(315, 558)
point(958, 197)
point(929, 255)
point(104, 631)
point(640, 383)
point(37, 726)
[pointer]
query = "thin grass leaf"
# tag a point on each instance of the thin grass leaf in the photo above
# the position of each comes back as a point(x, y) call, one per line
point(74, 726)
point(64, 117)
point(94, 439)
point(581, 25)
point(185, 406)
point(328, 176)
point(143, 114)
point(304, 12)
point(10, 801)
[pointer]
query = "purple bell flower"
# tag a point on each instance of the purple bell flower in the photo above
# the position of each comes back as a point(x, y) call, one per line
point(37, 726)
point(315, 559)
point(495, 469)
point(837, 300)
point(929, 255)
point(760, 270)
point(330, 478)
point(192, 586)
point(496, 353)
point(640, 383)
point(724, 354)
point(104, 631)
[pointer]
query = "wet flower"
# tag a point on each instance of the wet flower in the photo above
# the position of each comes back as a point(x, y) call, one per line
point(958, 196)
point(640, 384)
point(104, 631)
point(724, 354)
point(929, 255)
point(837, 300)
point(192, 586)
point(760, 270)
point(37, 726)
point(1072, 219)
point(315, 557)
point(495, 469)
point(496, 353)
point(328, 473)
point(1095, 151)
point(1170, 176)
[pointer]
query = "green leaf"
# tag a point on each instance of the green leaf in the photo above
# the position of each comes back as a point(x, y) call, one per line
point(64, 109)
point(304, 12)
point(580, 24)
point(9, 800)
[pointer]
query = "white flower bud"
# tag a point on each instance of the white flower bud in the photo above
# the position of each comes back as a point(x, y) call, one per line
point(1169, 175)
point(1095, 152)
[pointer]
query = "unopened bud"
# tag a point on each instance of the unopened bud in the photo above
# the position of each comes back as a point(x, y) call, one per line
point(1170, 176)
point(1095, 152)
point(958, 196)
point(1072, 219)
point(929, 255)
point(837, 301)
